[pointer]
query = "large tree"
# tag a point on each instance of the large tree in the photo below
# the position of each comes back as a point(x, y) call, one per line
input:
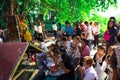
point(60, 10)
point(76, 9)
point(63, 9)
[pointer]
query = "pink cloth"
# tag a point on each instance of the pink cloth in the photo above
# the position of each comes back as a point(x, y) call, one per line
point(86, 51)
point(106, 35)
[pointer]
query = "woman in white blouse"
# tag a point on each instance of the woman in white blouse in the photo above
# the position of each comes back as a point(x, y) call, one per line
point(96, 32)
point(39, 31)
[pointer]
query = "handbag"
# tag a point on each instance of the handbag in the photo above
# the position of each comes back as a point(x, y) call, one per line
point(106, 35)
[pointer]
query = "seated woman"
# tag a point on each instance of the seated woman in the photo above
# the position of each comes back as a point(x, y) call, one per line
point(67, 67)
point(84, 50)
point(54, 66)
point(74, 54)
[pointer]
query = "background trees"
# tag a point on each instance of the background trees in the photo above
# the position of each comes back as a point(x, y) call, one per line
point(74, 10)
point(54, 10)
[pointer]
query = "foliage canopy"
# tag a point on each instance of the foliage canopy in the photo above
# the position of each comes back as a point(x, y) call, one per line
point(56, 10)
point(62, 10)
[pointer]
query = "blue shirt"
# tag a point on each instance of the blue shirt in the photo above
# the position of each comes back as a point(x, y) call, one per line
point(63, 28)
point(69, 30)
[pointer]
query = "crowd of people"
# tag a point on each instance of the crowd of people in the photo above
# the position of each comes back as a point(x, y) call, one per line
point(70, 55)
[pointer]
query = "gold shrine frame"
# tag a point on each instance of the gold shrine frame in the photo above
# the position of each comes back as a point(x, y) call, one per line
point(14, 54)
point(33, 71)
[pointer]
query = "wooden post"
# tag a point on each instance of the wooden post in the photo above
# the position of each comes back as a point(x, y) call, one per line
point(11, 7)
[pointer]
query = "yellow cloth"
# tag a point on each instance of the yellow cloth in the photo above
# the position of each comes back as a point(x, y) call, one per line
point(27, 36)
point(23, 26)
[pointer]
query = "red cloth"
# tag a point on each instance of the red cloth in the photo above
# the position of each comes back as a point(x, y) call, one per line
point(33, 59)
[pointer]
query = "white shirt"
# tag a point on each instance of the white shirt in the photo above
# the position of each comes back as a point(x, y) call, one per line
point(75, 53)
point(100, 69)
point(43, 46)
point(1, 41)
point(54, 27)
point(68, 44)
point(96, 29)
point(89, 32)
point(39, 29)
point(35, 27)
point(103, 66)
point(90, 74)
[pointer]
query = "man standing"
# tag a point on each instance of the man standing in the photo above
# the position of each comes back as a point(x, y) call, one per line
point(39, 31)
point(68, 29)
point(54, 27)
point(35, 29)
point(96, 31)
point(89, 34)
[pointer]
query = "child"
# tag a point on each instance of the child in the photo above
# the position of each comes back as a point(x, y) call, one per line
point(88, 73)
point(69, 42)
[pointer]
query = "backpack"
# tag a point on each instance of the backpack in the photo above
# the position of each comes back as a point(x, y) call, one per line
point(106, 35)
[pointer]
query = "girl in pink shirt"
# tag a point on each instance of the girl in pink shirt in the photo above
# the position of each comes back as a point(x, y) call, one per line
point(84, 50)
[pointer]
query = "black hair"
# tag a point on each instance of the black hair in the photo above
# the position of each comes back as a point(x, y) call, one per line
point(113, 18)
point(108, 24)
point(59, 24)
point(86, 22)
point(85, 41)
point(64, 39)
point(67, 22)
point(66, 58)
point(102, 47)
point(91, 23)
point(68, 36)
point(53, 22)
point(40, 39)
